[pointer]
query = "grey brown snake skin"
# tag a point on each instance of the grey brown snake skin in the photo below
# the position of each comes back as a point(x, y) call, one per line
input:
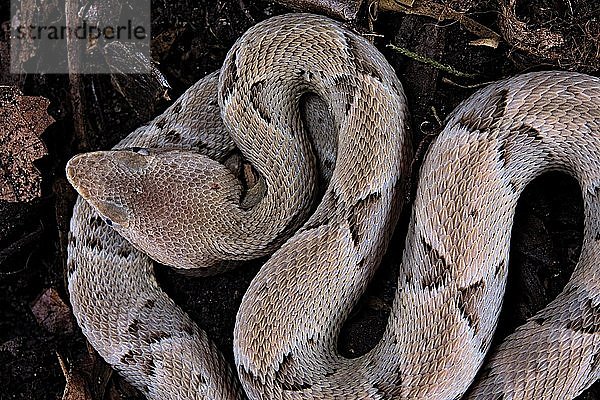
point(187, 210)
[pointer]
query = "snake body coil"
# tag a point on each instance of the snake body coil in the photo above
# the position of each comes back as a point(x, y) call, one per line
point(453, 271)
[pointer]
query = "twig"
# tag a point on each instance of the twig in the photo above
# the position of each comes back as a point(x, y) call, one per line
point(474, 86)
point(436, 116)
point(75, 82)
point(440, 12)
point(429, 61)
point(246, 12)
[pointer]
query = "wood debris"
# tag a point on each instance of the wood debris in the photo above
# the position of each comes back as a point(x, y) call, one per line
point(442, 12)
point(570, 40)
point(346, 10)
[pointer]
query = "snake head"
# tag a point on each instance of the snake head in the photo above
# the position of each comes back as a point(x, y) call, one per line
point(107, 180)
point(163, 202)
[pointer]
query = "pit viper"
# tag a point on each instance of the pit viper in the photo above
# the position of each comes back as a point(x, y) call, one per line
point(170, 190)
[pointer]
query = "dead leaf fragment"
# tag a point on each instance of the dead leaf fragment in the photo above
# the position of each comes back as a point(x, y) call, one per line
point(52, 313)
point(91, 378)
point(568, 40)
point(22, 120)
point(164, 41)
point(77, 387)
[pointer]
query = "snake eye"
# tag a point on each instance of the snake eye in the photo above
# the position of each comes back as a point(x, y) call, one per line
point(140, 150)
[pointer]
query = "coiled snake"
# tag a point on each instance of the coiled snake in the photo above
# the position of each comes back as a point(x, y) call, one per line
point(188, 210)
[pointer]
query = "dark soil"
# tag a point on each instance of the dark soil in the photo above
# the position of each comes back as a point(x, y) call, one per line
point(547, 233)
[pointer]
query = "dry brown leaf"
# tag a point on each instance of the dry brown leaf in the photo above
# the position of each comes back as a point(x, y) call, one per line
point(568, 40)
point(164, 41)
point(22, 120)
point(52, 313)
point(77, 387)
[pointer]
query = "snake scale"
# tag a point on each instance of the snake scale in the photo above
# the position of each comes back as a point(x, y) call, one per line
point(168, 190)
